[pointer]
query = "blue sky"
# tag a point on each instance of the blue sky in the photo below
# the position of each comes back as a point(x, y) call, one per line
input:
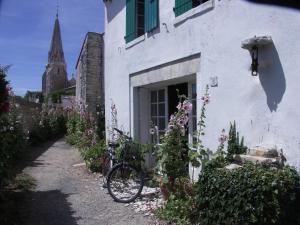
point(25, 35)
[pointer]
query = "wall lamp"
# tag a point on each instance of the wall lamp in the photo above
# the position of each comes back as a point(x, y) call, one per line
point(252, 45)
point(254, 64)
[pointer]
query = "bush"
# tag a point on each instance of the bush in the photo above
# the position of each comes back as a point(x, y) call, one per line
point(94, 156)
point(253, 194)
point(178, 211)
point(49, 123)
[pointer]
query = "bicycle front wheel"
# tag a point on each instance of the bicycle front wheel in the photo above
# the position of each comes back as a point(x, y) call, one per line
point(124, 183)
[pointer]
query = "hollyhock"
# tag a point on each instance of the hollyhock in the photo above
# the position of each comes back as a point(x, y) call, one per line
point(179, 106)
point(187, 106)
point(171, 127)
point(205, 99)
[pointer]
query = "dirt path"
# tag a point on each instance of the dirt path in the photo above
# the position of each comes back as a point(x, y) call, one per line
point(68, 195)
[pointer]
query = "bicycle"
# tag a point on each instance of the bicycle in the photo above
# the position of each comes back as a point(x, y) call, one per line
point(124, 180)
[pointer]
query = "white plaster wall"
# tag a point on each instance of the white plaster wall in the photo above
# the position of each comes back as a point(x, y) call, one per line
point(217, 34)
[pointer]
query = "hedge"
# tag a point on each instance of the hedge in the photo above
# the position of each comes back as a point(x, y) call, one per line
point(253, 194)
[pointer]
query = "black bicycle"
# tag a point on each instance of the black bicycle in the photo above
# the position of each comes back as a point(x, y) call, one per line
point(124, 180)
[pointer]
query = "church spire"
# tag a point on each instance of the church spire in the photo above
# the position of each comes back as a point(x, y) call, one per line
point(56, 53)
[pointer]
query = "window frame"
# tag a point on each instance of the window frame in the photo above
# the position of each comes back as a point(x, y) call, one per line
point(149, 19)
point(165, 102)
point(196, 11)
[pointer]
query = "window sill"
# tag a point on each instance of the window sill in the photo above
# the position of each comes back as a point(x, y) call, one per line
point(199, 10)
point(135, 41)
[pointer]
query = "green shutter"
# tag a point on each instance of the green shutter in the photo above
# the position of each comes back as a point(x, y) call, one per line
point(181, 6)
point(151, 15)
point(130, 20)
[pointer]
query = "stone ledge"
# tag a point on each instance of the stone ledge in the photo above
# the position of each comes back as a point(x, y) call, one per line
point(241, 159)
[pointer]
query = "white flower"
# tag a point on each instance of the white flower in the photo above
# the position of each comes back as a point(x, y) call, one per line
point(11, 128)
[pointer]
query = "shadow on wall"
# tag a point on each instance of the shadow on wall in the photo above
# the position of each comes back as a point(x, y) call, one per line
point(114, 8)
point(271, 76)
point(286, 3)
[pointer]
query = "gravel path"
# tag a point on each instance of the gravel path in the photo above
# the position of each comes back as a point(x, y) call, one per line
point(68, 195)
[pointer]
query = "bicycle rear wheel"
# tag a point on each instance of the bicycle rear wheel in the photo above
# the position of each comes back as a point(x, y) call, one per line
point(125, 183)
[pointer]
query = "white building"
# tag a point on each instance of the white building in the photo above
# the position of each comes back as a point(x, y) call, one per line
point(154, 47)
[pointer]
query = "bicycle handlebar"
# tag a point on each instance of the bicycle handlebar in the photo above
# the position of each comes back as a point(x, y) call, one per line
point(122, 133)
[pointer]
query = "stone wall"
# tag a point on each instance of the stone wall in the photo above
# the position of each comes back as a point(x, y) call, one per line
point(28, 112)
point(89, 81)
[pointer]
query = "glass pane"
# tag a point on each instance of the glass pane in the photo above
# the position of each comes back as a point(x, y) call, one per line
point(161, 95)
point(161, 109)
point(194, 112)
point(154, 120)
point(153, 96)
point(194, 91)
point(161, 124)
point(153, 109)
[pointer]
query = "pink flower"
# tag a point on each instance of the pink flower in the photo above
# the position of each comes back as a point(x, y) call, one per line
point(171, 127)
point(179, 106)
point(223, 137)
point(90, 132)
point(205, 99)
point(182, 122)
point(187, 106)
point(172, 117)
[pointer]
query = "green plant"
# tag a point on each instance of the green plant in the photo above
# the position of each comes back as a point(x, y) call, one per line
point(173, 157)
point(203, 153)
point(30, 95)
point(253, 194)
point(235, 146)
point(93, 156)
point(100, 121)
point(178, 210)
point(4, 90)
point(49, 123)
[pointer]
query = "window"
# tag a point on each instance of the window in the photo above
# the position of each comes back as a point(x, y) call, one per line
point(158, 110)
point(141, 17)
point(182, 6)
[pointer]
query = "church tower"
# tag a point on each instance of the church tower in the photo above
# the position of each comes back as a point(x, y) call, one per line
point(55, 75)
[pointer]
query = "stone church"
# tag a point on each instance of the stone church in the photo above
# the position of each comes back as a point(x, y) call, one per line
point(55, 76)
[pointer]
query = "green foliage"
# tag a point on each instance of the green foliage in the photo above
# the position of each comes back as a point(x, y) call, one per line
point(235, 146)
point(253, 194)
point(180, 211)
point(173, 154)
point(203, 153)
point(34, 94)
point(94, 156)
point(100, 121)
point(4, 92)
point(49, 123)
point(12, 139)
point(55, 96)
point(80, 130)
